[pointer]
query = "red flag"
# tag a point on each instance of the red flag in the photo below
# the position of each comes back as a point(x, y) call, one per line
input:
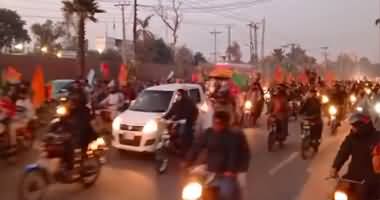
point(278, 74)
point(123, 74)
point(329, 77)
point(302, 77)
point(105, 69)
point(38, 87)
point(12, 75)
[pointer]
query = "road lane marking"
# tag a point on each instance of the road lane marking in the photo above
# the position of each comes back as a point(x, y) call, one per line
point(283, 163)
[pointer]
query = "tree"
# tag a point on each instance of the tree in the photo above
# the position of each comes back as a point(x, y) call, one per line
point(48, 33)
point(278, 54)
point(199, 58)
point(143, 33)
point(184, 56)
point(172, 22)
point(161, 53)
point(83, 10)
point(12, 29)
point(235, 52)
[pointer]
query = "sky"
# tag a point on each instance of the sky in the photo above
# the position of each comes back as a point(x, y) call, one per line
point(345, 26)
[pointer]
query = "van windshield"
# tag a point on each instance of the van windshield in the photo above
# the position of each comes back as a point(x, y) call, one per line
point(152, 101)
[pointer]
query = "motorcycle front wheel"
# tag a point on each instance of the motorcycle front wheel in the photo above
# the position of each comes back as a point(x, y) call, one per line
point(307, 149)
point(33, 186)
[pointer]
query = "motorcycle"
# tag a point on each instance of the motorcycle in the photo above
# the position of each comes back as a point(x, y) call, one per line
point(50, 167)
point(344, 189)
point(166, 141)
point(309, 147)
point(294, 107)
point(274, 135)
point(25, 135)
point(198, 186)
point(333, 119)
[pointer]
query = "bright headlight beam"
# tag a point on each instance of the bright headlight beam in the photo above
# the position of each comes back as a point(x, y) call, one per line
point(150, 127)
point(192, 191)
point(339, 195)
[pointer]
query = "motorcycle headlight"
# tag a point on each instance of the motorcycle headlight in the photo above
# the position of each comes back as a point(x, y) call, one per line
point(353, 98)
point(93, 146)
point(267, 95)
point(333, 110)
point(192, 191)
point(377, 107)
point(359, 109)
point(204, 107)
point(116, 123)
point(248, 105)
point(339, 195)
point(150, 127)
point(368, 90)
point(325, 99)
point(61, 110)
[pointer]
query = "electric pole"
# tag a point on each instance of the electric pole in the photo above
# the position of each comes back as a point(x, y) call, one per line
point(134, 28)
point(123, 44)
point(263, 39)
point(324, 49)
point(253, 41)
point(215, 33)
point(229, 27)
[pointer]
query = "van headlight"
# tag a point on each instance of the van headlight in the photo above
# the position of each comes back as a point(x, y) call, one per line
point(333, 110)
point(377, 107)
point(150, 127)
point(192, 191)
point(61, 110)
point(339, 195)
point(116, 123)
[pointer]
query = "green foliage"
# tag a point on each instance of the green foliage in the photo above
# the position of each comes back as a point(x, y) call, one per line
point(199, 58)
point(48, 34)
point(12, 29)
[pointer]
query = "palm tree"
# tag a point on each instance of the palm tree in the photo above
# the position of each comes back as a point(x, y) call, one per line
point(143, 32)
point(83, 10)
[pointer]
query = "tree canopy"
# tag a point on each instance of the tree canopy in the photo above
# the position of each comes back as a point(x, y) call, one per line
point(12, 29)
point(48, 34)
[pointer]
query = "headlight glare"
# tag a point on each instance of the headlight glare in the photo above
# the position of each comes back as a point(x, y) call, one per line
point(192, 191)
point(150, 127)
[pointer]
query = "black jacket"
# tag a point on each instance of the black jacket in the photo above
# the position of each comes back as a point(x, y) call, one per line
point(183, 109)
point(359, 148)
point(311, 108)
point(80, 124)
point(226, 152)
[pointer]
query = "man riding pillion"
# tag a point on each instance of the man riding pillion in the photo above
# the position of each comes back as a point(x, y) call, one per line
point(184, 108)
point(227, 155)
point(278, 108)
point(358, 146)
point(113, 101)
point(312, 110)
point(256, 96)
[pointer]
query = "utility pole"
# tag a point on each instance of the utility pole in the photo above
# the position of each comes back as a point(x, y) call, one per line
point(325, 55)
point(123, 44)
point(229, 27)
point(253, 41)
point(263, 38)
point(134, 29)
point(215, 33)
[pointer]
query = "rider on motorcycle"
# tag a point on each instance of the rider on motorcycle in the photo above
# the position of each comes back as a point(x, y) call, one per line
point(227, 155)
point(358, 146)
point(278, 108)
point(113, 101)
point(80, 129)
point(312, 110)
point(225, 102)
point(184, 108)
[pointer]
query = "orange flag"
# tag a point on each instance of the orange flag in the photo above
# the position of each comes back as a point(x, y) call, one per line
point(12, 75)
point(302, 77)
point(123, 75)
point(329, 77)
point(278, 74)
point(38, 87)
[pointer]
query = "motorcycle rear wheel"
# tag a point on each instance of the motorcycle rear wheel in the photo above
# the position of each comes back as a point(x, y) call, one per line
point(307, 149)
point(33, 186)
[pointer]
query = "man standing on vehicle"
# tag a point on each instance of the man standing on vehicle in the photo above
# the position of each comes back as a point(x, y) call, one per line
point(358, 146)
point(184, 108)
point(227, 155)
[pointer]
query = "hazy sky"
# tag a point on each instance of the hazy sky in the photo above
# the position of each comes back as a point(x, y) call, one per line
point(342, 25)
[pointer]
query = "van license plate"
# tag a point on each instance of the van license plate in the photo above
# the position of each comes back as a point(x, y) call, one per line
point(128, 136)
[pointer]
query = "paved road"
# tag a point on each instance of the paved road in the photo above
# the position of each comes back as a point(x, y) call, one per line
point(272, 176)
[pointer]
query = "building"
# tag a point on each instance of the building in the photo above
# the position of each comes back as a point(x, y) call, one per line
point(108, 43)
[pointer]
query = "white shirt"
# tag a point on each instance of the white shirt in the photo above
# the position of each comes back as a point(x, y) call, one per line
point(113, 100)
point(29, 109)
